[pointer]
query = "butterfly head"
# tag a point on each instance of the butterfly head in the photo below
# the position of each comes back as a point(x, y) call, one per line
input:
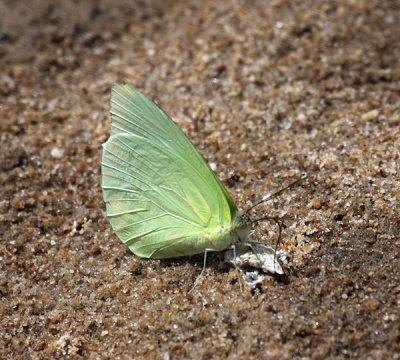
point(242, 224)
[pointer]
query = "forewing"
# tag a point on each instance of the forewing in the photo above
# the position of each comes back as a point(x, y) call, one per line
point(133, 113)
point(156, 203)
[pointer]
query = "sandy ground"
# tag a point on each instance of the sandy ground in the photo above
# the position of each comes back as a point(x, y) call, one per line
point(265, 90)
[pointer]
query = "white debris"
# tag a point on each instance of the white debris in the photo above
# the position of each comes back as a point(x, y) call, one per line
point(264, 261)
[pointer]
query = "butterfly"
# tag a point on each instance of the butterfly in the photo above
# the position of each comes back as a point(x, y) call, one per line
point(162, 198)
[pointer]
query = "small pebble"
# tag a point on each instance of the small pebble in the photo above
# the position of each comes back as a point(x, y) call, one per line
point(57, 153)
point(370, 115)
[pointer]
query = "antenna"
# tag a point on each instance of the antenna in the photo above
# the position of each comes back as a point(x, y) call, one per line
point(303, 177)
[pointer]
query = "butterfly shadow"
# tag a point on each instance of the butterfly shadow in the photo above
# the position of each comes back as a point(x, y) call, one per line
point(190, 267)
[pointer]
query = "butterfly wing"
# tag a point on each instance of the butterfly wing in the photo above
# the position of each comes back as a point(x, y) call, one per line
point(163, 200)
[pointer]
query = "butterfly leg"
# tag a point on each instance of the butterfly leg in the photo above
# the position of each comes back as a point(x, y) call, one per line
point(233, 247)
point(250, 244)
point(204, 267)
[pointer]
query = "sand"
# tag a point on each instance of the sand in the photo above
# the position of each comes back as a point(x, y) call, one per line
point(266, 91)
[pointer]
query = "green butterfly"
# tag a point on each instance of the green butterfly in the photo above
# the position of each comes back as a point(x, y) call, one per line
point(163, 200)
